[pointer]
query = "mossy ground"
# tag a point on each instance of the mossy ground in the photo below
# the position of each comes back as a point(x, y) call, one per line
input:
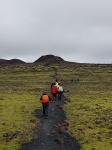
point(89, 111)
point(21, 89)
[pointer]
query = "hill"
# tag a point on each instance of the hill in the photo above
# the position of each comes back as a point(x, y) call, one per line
point(2, 60)
point(49, 58)
point(88, 105)
point(11, 61)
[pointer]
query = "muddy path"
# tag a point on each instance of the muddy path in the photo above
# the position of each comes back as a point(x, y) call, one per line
point(52, 133)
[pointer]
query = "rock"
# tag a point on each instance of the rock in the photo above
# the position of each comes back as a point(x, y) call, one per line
point(60, 140)
point(61, 129)
point(60, 107)
point(87, 108)
point(33, 121)
point(4, 123)
point(106, 119)
point(65, 123)
point(53, 134)
point(15, 135)
point(99, 139)
point(97, 121)
point(80, 129)
point(100, 132)
point(90, 127)
point(10, 135)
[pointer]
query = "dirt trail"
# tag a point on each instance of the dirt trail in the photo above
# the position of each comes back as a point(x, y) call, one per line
point(52, 132)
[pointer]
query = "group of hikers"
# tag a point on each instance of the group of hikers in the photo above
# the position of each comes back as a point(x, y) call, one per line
point(56, 94)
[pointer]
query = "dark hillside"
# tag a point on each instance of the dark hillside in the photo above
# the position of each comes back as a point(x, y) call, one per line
point(11, 61)
point(2, 61)
point(49, 58)
point(15, 61)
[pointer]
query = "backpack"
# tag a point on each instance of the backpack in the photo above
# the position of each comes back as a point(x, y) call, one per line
point(54, 89)
point(45, 98)
point(60, 89)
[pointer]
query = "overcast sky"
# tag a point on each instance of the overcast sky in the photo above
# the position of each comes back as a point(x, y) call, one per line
point(76, 30)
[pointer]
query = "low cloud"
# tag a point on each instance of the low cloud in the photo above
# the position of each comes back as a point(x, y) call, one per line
point(78, 31)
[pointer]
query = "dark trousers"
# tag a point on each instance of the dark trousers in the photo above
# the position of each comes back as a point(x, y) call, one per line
point(54, 96)
point(45, 108)
point(60, 93)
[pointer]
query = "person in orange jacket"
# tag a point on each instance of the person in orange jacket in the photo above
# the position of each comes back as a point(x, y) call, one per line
point(45, 98)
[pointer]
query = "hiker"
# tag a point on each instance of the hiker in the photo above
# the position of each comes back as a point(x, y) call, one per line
point(45, 98)
point(54, 91)
point(72, 80)
point(78, 79)
point(56, 80)
point(56, 83)
point(60, 92)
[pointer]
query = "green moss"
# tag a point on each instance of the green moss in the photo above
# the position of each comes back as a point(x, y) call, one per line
point(89, 110)
point(19, 98)
point(89, 113)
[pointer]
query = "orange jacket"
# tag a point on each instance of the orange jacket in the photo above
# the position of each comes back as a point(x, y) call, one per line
point(45, 98)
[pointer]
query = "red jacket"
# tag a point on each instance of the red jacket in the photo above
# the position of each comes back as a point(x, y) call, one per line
point(54, 89)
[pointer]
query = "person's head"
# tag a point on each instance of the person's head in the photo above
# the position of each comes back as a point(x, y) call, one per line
point(56, 80)
point(44, 93)
point(59, 83)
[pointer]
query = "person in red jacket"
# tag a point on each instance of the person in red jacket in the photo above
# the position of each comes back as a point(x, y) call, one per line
point(45, 98)
point(54, 91)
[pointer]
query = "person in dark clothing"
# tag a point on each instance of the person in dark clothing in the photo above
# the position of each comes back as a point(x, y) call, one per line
point(56, 80)
point(45, 98)
point(60, 92)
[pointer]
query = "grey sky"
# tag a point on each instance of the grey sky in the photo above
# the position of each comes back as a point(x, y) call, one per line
point(76, 30)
